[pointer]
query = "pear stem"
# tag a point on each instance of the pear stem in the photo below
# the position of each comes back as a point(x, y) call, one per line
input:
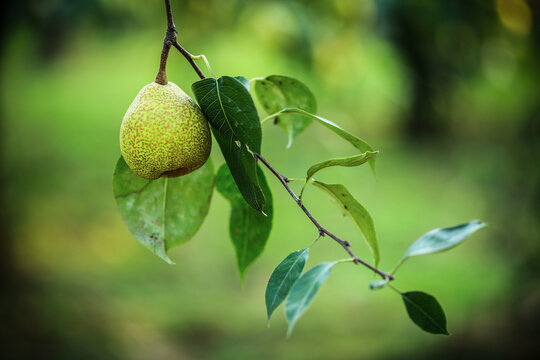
point(171, 40)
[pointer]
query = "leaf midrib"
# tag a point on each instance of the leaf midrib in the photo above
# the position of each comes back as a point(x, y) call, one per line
point(221, 105)
point(373, 248)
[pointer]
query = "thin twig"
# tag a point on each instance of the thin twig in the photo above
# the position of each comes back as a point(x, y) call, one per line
point(322, 231)
point(171, 40)
point(189, 58)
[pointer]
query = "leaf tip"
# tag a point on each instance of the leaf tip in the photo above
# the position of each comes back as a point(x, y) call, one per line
point(269, 312)
point(289, 331)
point(241, 274)
point(376, 258)
point(479, 223)
point(167, 259)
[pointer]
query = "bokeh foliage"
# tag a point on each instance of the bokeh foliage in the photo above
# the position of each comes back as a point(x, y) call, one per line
point(447, 91)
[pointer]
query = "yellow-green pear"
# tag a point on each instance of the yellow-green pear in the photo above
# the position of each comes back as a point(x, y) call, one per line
point(164, 133)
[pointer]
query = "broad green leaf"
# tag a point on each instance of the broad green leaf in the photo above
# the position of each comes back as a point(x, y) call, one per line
point(377, 284)
point(243, 168)
point(425, 311)
point(249, 229)
point(276, 92)
point(360, 215)
point(283, 278)
point(350, 161)
point(230, 110)
point(441, 239)
point(353, 140)
point(166, 212)
point(304, 290)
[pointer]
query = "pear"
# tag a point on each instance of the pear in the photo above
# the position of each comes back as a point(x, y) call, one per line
point(164, 133)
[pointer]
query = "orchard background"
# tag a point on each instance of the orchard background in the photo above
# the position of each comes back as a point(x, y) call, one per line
point(447, 91)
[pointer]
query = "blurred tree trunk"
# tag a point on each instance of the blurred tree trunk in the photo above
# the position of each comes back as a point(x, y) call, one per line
point(434, 61)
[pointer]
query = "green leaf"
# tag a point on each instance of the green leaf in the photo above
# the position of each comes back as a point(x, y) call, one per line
point(166, 212)
point(230, 110)
point(350, 161)
point(304, 290)
point(353, 140)
point(425, 311)
point(243, 81)
point(243, 168)
point(249, 229)
point(283, 278)
point(276, 92)
point(377, 284)
point(442, 239)
point(359, 214)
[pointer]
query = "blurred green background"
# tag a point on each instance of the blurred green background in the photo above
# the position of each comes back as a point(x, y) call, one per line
point(448, 91)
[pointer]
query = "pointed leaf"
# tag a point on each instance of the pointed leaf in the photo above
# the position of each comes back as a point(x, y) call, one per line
point(166, 212)
point(249, 229)
point(360, 215)
point(304, 290)
point(353, 140)
point(230, 110)
point(425, 311)
point(350, 161)
point(283, 278)
point(276, 92)
point(442, 239)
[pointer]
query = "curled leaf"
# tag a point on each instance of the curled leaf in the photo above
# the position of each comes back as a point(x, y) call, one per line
point(350, 161)
point(378, 284)
point(353, 140)
point(357, 212)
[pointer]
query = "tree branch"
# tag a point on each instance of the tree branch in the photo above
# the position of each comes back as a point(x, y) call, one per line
point(322, 231)
point(171, 40)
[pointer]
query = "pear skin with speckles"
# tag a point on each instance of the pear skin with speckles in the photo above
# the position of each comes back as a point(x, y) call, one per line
point(164, 133)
